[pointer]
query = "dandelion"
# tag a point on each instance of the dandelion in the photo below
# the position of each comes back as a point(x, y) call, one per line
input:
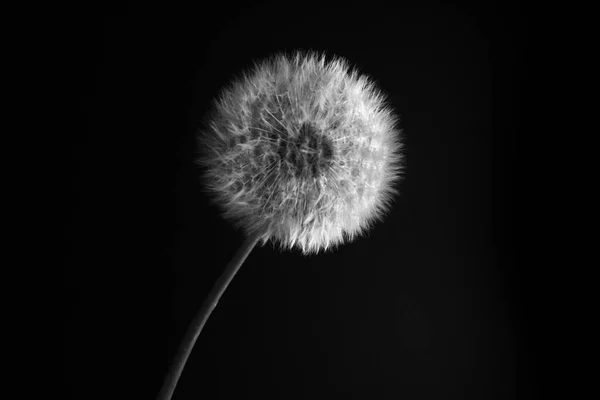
point(303, 151)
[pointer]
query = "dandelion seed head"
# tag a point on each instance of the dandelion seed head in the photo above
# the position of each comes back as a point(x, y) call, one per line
point(303, 150)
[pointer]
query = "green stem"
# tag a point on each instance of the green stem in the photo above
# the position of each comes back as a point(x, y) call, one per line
point(185, 348)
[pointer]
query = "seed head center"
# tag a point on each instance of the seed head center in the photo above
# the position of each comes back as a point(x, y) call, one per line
point(308, 154)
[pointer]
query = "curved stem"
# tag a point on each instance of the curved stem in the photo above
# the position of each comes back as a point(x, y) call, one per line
point(185, 348)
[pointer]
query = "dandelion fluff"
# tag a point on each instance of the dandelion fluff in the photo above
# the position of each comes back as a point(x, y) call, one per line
point(302, 150)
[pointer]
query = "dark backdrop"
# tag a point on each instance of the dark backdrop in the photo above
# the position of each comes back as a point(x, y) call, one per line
point(429, 305)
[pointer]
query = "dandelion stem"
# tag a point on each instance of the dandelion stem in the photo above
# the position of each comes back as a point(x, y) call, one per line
point(195, 327)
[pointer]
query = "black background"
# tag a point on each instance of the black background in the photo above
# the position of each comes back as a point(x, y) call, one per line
point(429, 305)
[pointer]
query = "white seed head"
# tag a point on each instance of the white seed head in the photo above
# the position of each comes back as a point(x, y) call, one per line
point(303, 151)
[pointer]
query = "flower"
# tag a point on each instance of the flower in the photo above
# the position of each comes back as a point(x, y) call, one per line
point(303, 151)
